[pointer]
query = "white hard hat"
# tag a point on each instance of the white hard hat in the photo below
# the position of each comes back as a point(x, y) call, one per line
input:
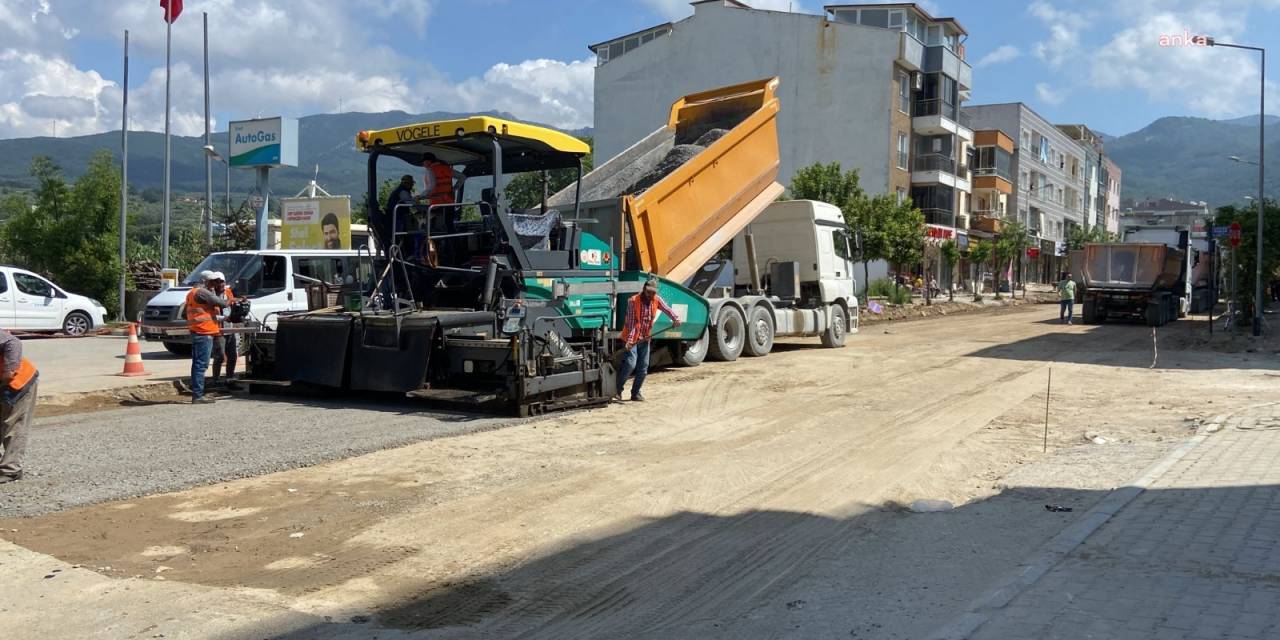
point(206, 275)
point(217, 275)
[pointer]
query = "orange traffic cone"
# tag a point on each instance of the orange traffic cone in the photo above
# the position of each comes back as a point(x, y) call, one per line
point(133, 355)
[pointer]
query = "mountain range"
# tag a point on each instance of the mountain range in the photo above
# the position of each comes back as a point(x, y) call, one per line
point(1177, 157)
point(326, 145)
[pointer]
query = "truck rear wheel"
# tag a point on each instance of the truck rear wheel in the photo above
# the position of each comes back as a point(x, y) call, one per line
point(178, 348)
point(691, 353)
point(759, 340)
point(1089, 312)
point(727, 334)
point(833, 337)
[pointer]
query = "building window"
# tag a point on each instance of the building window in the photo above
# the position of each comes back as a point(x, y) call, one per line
point(903, 150)
point(902, 195)
point(1044, 150)
point(904, 92)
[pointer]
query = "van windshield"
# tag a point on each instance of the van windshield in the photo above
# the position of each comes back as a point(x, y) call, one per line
point(248, 275)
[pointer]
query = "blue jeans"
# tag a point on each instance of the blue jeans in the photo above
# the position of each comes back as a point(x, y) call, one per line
point(1066, 310)
point(201, 349)
point(637, 361)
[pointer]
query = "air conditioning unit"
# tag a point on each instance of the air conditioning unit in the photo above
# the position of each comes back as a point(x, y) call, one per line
point(917, 80)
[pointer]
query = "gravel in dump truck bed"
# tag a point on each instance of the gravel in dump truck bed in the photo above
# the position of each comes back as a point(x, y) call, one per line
point(678, 155)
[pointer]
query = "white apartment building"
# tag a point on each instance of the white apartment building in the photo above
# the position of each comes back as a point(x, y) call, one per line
point(1050, 187)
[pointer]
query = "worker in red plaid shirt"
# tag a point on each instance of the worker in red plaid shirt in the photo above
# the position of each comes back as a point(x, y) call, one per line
point(642, 310)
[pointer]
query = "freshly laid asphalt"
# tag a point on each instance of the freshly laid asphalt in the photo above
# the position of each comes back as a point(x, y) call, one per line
point(86, 458)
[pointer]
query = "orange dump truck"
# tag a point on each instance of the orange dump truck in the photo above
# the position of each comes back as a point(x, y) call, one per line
point(673, 201)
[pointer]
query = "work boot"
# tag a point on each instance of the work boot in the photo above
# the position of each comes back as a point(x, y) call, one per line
point(13, 478)
point(635, 397)
point(202, 400)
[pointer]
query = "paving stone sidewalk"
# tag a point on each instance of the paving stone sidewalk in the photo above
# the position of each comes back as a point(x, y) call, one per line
point(1196, 555)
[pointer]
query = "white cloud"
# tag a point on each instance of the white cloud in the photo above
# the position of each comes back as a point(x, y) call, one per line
point(1064, 26)
point(337, 53)
point(1003, 53)
point(1049, 95)
point(1213, 82)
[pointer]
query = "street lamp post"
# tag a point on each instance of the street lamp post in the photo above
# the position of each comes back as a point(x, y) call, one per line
point(210, 152)
point(1262, 123)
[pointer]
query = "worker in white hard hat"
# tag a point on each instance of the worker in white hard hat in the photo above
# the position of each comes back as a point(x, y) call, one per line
point(204, 305)
point(225, 344)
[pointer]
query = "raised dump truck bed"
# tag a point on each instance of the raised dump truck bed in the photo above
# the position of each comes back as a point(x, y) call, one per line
point(675, 198)
point(1135, 280)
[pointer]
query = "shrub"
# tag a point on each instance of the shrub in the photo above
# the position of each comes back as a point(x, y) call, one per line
point(883, 288)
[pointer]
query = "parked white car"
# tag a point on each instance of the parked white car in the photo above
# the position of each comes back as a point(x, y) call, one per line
point(31, 303)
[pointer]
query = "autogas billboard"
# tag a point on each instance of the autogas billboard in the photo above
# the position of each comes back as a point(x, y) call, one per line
point(265, 142)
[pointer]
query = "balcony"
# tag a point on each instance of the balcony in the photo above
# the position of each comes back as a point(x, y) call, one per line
point(940, 217)
point(910, 52)
point(992, 178)
point(988, 221)
point(934, 168)
point(940, 58)
point(935, 118)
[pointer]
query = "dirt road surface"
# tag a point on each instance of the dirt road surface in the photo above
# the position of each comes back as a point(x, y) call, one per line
point(755, 499)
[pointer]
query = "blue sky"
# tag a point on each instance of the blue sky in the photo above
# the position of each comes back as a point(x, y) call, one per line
point(1086, 61)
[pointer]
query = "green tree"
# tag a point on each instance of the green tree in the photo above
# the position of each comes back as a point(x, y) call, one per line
point(70, 232)
point(1011, 245)
point(525, 189)
point(1077, 237)
point(901, 227)
point(980, 252)
point(950, 256)
point(827, 183)
point(1246, 256)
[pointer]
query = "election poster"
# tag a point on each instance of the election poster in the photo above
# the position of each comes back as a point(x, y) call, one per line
point(316, 223)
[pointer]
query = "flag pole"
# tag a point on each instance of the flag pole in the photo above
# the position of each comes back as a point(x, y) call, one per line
point(164, 221)
point(208, 161)
point(124, 174)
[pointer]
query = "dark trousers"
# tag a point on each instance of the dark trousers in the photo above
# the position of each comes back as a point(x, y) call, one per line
point(636, 361)
point(225, 349)
point(1066, 311)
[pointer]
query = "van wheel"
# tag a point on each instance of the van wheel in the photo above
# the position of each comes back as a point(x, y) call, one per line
point(727, 334)
point(77, 323)
point(178, 348)
point(833, 337)
point(759, 338)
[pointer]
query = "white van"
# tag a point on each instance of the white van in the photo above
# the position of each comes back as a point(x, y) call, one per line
point(268, 279)
point(31, 303)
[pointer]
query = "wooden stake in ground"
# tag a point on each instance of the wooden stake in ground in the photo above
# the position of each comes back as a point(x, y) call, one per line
point(1048, 390)
point(1155, 353)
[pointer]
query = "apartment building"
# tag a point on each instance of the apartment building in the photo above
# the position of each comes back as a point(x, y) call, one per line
point(1050, 183)
point(1166, 212)
point(1111, 175)
point(875, 87)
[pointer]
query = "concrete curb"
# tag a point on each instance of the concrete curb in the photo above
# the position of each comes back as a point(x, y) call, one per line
point(1067, 541)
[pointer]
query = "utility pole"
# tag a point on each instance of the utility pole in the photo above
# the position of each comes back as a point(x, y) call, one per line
point(124, 173)
point(208, 162)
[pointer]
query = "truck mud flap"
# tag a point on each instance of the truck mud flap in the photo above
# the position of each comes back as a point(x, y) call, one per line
point(386, 359)
point(313, 348)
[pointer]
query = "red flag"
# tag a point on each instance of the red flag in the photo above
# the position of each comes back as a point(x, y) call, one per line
point(172, 9)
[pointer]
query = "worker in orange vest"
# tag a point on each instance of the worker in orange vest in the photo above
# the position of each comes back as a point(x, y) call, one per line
point(225, 346)
point(204, 304)
point(17, 402)
point(440, 177)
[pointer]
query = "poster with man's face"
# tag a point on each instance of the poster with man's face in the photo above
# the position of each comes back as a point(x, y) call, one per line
point(316, 223)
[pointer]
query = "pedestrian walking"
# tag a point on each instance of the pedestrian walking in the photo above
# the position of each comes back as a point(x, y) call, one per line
point(17, 402)
point(1067, 295)
point(203, 306)
point(642, 310)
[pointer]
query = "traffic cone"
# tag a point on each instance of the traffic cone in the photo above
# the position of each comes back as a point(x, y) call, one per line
point(133, 355)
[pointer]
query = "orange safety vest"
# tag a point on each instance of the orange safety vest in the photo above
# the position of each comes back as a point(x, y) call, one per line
point(441, 179)
point(202, 319)
point(26, 371)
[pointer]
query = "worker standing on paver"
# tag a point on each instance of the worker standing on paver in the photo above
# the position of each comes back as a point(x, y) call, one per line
point(642, 310)
point(203, 306)
point(1067, 294)
point(17, 402)
point(225, 344)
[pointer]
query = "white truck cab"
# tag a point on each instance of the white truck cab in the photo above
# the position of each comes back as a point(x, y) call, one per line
point(791, 274)
point(273, 282)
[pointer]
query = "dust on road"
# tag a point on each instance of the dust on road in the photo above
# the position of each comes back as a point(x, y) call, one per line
point(697, 510)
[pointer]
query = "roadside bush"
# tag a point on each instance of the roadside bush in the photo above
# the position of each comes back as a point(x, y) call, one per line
point(883, 288)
